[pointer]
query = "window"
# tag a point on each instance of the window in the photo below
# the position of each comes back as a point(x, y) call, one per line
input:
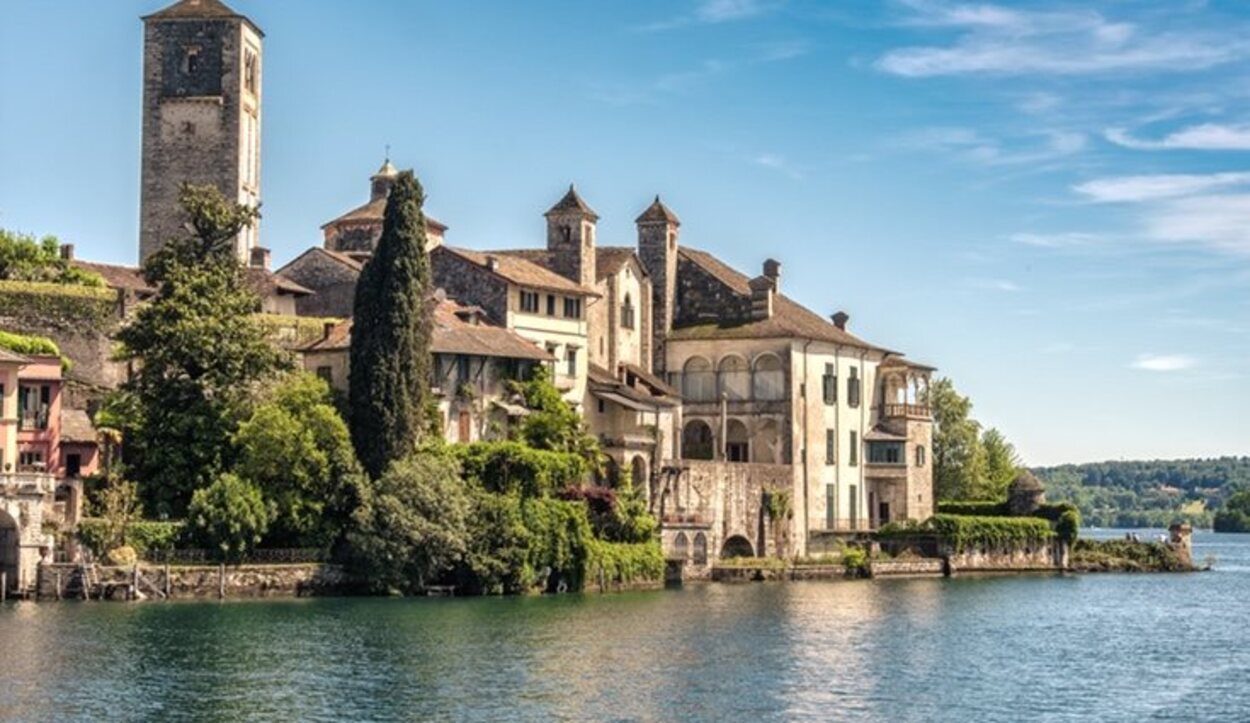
point(602, 406)
point(737, 446)
point(769, 379)
point(572, 308)
point(30, 459)
point(920, 455)
point(551, 304)
point(326, 373)
point(696, 440)
point(33, 404)
point(735, 378)
point(852, 388)
point(627, 313)
point(529, 302)
point(698, 382)
point(853, 460)
point(830, 385)
point(463, 370)
point(831, 446)
point(854, 495)
point(831, 510)
point(249, 71)
point(571, 357)
point(885, 453)
point(191, 61)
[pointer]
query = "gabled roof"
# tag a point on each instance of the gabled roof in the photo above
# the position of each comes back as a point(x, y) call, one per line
point(518, 269)
point(197, 10)
point(374, 211)
point(452, 334)
point(334, 256)
point(657, 212)
point(604, 385)
point(264, 282)
point(8, 357)
point(789, 318)
point(76, 426)
point(572, 203)
point(895, 360)
point(116, 276)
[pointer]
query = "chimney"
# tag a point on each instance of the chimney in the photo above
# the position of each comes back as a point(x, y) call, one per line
point(763, 289)
point(839, 319)
point(67, 252)
point(260, 257)
point(326, 329)
point(492, 263)
point(772, 269)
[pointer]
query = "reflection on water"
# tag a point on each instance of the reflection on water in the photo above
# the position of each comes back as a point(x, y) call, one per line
point(1111, 647)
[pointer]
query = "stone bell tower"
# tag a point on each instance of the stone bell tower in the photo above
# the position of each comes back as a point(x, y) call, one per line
point(571, 238)
point(201, 114)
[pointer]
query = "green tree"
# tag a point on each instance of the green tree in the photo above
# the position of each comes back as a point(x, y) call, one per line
point(959, 464)
point(553, 423)
point(25, 258)
point(411, 527)
point(198, 355)
point(295, 447)
point(390, 352)
point(1235, 515)
point(1002, 464)
point(228, 517)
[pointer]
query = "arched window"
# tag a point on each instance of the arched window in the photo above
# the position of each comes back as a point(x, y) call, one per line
point(737, 445)
point(696, 440)
point(627, 313)
point(681, 546)
point(765, 442)
point(698, 383)
point(769, 378)
point(735, 377)
point(700, 549)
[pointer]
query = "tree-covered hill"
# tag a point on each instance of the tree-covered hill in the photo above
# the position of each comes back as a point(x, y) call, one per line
point(1147, 493)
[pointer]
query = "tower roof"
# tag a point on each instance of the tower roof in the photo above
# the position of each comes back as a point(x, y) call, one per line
point(198, 10)
point(572, 203)
point(658, 212)
point(388, 170)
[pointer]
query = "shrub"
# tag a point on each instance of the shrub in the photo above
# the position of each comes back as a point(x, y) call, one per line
point(621, 562)
point(228, 517)
point(974, 508)
point(964, 532)
point(514, 467)
point(560, 543)
point(145, 536)
point(1069, 526)
point(124, 555)
point(856, 560)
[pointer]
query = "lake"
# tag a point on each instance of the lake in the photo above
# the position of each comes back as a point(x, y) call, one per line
point(1095, 647)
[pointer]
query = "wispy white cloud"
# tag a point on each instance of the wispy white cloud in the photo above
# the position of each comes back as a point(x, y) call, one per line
point(1218, 221)
point(1163, 362)
point(1135, 189)
point(997, 285)
point(715, 12)
point(680, 81)
point(1061, 240)
point(999, 40)
point(1206, 137)
point(776, 162)
point(974, 146)
point(1039, 102)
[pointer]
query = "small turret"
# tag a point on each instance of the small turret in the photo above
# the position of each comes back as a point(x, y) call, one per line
point(657, 249)
point(571, 238)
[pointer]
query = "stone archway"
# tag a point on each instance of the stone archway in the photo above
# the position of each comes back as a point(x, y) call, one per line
point(681, 546)
point(10, 550)
point(700, 549)
point(737, 546)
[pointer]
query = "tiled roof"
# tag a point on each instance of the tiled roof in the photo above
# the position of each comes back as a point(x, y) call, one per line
point(608, 259)
point(452, 335)
point(898, 361)
point(601, 381)
point(129, 278)
point(573, 202)
point(8, 357)
point(658, 212)
point(374, 211)
point(335, 256)
point(881, 434)
point(195, 9)
point(519, 269)
point(265, 282)
point(76, 426)
point(789, 319)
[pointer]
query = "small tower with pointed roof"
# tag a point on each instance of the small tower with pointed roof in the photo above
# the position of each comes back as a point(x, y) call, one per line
point(657, 248)
point(571, 238)
point(201, 115)
point(381, 182)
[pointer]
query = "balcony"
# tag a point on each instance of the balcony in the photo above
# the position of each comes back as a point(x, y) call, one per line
point(27, 483)
point(907, 411)
point(33, 420)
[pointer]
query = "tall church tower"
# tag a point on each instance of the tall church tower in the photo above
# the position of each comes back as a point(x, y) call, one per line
point(201, 114)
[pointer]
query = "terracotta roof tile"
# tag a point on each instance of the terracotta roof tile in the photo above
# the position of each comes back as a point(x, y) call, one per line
point(517, 267)
point(8, 357)
point(375, 210)
point(76, 426)
point(452, 335)
point(116, 276)
point(608, 259)
point(341, 258)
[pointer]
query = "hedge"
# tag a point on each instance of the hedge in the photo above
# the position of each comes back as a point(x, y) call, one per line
point(297, 330)
point(514, 467)
point(975, 508)
point(623, 562)
point(964, 532)
point(57, 304)
point(143, 535)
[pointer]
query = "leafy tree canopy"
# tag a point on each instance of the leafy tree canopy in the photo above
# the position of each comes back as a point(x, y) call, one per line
point(25, 258)
point(229, 517)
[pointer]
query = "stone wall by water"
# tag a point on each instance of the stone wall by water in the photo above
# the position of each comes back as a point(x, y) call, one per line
point(200, 581)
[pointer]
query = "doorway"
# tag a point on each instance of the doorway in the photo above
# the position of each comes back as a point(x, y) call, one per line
point(9, 550)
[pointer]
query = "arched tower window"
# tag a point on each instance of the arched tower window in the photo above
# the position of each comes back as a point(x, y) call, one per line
point(769, 378)
point(698, 383)
point(696, 440)
point(735, 378)
point(627, 313)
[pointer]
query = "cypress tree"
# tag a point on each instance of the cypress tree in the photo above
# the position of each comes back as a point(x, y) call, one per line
point(390, 351)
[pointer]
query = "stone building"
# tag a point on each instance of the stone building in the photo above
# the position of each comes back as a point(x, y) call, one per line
point(201, 114)
point(473, 360)
point(331, 270)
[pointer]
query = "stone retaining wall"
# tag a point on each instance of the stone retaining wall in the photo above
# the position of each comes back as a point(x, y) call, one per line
point(201, 581)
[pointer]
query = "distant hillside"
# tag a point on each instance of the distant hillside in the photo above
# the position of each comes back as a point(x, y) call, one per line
point(1147, 493)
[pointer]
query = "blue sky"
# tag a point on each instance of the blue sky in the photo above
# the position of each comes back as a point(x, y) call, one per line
point(1050, 201)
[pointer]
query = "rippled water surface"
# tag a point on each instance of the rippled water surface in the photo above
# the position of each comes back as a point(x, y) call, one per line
point(1105, 647)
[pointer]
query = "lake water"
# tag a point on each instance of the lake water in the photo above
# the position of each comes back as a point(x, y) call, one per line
point(1096, 647)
